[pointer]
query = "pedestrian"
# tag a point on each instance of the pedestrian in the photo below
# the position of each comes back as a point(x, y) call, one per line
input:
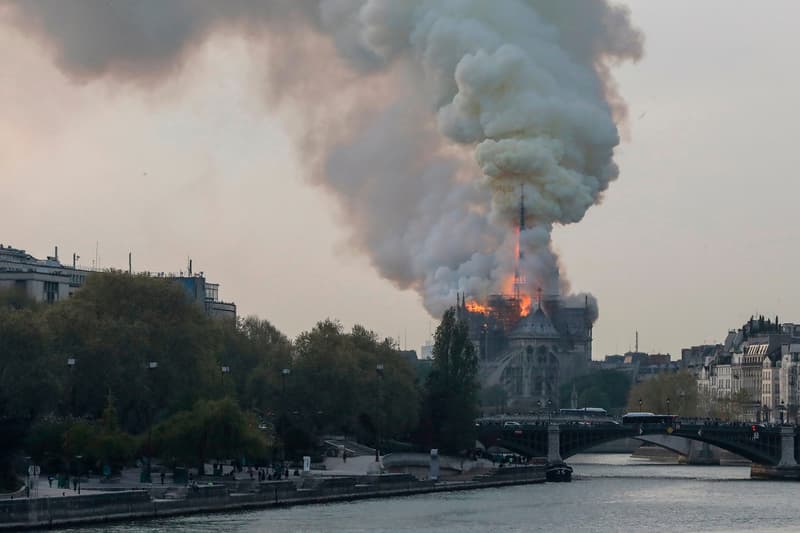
point(163, 476)
point(75, 483)
point(50, 481)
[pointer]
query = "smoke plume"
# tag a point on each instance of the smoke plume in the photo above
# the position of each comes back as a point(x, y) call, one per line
point(425, 118)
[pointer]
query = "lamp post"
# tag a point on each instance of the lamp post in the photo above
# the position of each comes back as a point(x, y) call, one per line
point(549, 409)
point(223, 370)
point(151, 366)
point(379, 377)
point(682, 408)
point(783, 407)
point(71, 364)
point(668, 401)
point(284, 375)
point(640, 405)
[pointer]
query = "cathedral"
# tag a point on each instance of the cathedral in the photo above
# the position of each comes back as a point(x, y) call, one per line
point(530, 356)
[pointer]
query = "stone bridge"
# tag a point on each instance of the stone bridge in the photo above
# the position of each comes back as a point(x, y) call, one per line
point(771, 447)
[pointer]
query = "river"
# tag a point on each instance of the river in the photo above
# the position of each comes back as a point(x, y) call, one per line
point(609, 493)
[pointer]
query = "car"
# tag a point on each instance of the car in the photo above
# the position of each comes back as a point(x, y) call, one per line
point(512, 425)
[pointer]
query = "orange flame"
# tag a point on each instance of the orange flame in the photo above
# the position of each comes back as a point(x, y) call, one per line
point(475, 307)
point(525, 304)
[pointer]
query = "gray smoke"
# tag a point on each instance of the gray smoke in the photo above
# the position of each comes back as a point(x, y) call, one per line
point(423, 117)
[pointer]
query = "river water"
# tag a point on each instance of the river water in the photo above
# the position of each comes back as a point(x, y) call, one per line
point(608, 493)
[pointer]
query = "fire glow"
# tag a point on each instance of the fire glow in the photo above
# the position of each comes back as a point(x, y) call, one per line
point(475, 307)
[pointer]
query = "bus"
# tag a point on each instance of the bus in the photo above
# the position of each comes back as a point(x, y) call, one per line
point(648, 418)
point(585, 412)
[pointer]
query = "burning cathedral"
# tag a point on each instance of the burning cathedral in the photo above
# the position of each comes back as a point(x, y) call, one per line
point(529, 347)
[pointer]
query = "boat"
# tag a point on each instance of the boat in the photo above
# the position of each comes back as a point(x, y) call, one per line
point(559, 473)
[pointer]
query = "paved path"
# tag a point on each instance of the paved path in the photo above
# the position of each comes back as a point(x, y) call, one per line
point(361, 465)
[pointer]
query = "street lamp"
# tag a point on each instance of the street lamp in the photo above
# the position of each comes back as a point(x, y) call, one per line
point(682, 408)
point(223, 370)
point(668, 401)
point(782, 409)
point(284, 375)
point(640, 405)
point(71, 364)
point(549, 409)
point(146, 478)
point(379, 377)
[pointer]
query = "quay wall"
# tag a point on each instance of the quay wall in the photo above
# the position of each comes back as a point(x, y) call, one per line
point(43, 513)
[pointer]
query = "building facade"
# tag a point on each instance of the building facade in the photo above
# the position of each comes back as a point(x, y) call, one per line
point(49, 281)
point(754, 373)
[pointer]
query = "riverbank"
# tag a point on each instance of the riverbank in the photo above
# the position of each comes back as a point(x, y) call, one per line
point(43, 513)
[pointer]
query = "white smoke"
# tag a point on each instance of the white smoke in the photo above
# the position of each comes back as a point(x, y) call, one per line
point(412, 87)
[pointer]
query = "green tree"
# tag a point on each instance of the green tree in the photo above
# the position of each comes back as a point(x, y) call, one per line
point(493, 399)
point(679, 387)
point(256, 352)
point(28, 386)
point(607, 389)
point(452, 387)
point(334, 384)
point(118, 323)
point(213, 429)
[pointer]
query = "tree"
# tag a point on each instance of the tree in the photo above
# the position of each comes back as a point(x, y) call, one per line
point(679, 388)
point(452, 387)
point(213, 429)
point(494, 398)
point(334, 385)
point(255, 351)
point(607, 389)
point(28, 387)
point(113, 327)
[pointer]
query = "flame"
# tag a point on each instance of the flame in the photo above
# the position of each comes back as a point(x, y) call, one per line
point(475, 307)
point(509, 286)
point(525, 304)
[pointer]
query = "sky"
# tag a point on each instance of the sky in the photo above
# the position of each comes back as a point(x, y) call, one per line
point(692, 239)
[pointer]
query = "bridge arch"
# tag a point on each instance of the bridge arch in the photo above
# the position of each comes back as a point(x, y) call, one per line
point(762, 446)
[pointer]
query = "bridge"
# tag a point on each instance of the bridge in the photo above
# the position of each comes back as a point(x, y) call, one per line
point(774, 450)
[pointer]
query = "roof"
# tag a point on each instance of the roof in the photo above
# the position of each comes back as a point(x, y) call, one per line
point(535, 325)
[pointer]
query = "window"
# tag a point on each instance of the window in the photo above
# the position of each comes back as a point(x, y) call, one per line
point(50, 291)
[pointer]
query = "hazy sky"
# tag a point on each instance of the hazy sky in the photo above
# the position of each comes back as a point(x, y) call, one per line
point(693, 238)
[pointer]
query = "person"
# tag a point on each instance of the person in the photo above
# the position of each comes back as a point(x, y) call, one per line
point(50, 481)
point(75, 483)
point(163, 475)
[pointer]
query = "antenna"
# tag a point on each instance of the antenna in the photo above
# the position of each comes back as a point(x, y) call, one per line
point(637, 341)
point(130, 263)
